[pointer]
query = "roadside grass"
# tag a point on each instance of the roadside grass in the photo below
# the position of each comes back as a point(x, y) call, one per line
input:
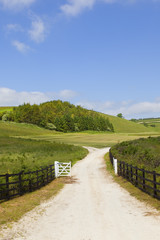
point(14, 209)
point(29, 155)
point(135, 192)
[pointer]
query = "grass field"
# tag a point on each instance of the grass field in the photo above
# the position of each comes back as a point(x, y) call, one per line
point(27, 154)
point(153, 123)
point(6, 109)
point(124, 126)
point(98, 140)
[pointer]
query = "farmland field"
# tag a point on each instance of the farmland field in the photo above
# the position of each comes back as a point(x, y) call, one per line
point(26, 154)
point(20, 150)
point(6, 109)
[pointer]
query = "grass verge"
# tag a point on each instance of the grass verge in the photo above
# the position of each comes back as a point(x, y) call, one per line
point(135, 192)
point(14, 209)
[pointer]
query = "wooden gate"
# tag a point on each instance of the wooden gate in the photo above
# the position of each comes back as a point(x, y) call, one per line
point(62, 169)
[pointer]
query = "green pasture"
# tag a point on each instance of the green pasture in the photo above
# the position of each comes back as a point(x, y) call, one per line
point(153, 123)
point(124, 126)
point(27, 147)
point(98, 140)
point(17, 154)
point(6, 109)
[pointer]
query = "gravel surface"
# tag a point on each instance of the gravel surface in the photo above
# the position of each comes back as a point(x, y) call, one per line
point(91, 206)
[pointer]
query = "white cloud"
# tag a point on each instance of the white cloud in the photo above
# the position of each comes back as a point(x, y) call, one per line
point(21, 47)
point(14, 27)
point(74, 7)
point(129, 109)
point(16, 4)
point(67, 94)
point(10, 97)
point(38, 30)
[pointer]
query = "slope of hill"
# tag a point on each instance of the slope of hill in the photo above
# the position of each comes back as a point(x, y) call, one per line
point(66, 117)
point(59, 116)
point(125, 126)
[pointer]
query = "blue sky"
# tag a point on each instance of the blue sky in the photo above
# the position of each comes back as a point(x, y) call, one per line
point(101, 54)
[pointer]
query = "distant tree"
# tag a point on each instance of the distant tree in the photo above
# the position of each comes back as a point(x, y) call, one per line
point(120, 115)
point(133, 120)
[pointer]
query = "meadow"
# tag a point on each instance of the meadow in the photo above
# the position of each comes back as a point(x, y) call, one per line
point(143, 153)
point(17, 154)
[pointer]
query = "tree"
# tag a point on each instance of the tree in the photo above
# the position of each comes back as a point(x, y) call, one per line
point(120, 115)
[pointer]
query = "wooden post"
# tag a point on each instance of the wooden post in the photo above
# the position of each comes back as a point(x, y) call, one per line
point(51, 171)
point(127, 172)
point(154, 184)
point(120, 168)
point(136, 176)
point(47, 176)
point(37, 179)
point(20, 183)
point(144, 180)
point(30, 185)
point(131, 173)
point(7, 186)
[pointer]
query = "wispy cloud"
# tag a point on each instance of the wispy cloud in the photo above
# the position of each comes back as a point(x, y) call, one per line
point(21, 47)
point(75, 7)
point(10, 97)
point(16, 4)
point(14, 27)
point(37, 32)
point(67, 94)
point(129, 109)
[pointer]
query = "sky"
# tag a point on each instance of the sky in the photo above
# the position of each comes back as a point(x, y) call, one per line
point(101, 54)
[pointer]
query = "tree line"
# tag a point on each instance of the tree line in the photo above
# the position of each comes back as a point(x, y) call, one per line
point(59, 116)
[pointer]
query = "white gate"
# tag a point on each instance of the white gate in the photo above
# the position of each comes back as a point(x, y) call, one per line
point(62, 169)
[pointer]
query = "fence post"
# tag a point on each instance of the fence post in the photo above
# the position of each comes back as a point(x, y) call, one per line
point(124, 169)
point(30, 185)
point(120, 168)
point(154, 184)
point(136, 176)
point(127, 172)
point(20, 183)
point(56, 168)
point(115, 166)
point(47, 176)
point(7, 186)
point(131, 173)
point(144, 182)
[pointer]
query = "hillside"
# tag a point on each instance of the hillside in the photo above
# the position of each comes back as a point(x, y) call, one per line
point(125, 126)
point(154, 123)
point(59, 116)
point(66, 117)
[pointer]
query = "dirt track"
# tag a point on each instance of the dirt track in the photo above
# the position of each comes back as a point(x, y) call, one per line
point(90, 207)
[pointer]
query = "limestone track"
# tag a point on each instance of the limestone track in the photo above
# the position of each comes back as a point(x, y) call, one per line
point(90, 207)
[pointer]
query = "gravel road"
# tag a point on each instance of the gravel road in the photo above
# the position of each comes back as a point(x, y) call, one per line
point(90, 207)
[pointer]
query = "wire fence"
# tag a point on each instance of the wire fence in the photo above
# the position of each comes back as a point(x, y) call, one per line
point(12, 185)
point(147, 181)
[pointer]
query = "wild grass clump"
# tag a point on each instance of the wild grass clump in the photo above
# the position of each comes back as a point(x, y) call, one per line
point(29, 155)
point(143, 153)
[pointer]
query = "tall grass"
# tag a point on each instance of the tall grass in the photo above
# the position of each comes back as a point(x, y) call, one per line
point(143, 153)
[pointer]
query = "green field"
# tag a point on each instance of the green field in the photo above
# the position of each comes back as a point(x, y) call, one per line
point(6, 109)
point(27, 146)
point(153, 123)
point(18, 154)
point(124, 126)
